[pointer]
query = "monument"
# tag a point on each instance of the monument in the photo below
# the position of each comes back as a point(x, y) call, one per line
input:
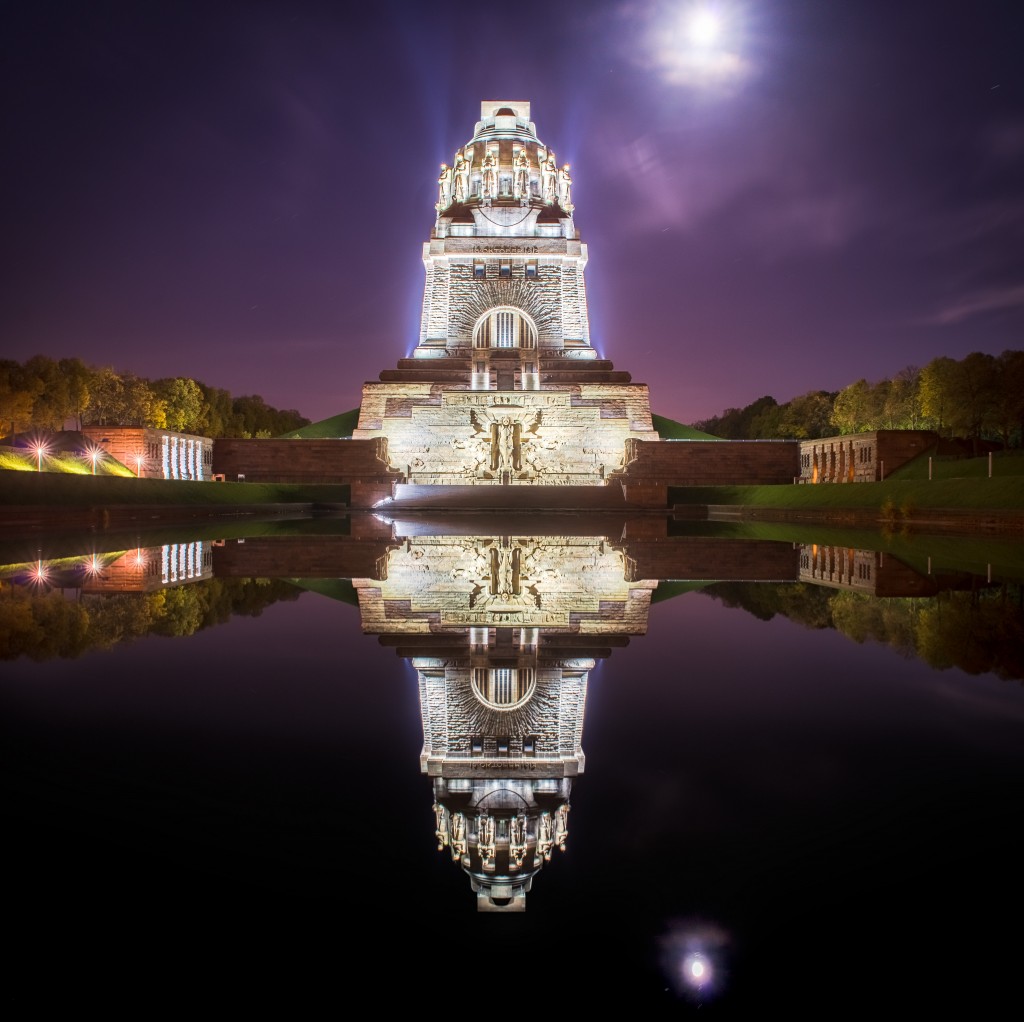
point(504, 386)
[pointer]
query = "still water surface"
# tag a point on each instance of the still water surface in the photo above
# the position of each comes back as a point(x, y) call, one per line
point(797, 795)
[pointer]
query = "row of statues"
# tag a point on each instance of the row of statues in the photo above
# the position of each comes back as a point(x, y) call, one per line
point(551, 830)
point(554, 183)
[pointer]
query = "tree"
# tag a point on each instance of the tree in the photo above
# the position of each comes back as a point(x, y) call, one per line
point(938, 393)
point(51, 393)
point(77, 378)
point(184, 404)
point(17, 396)
point(808, 416)
point(1009, 397)
point(852, 407)
point(902, 407)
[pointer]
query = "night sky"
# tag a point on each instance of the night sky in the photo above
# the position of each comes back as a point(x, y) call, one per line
point(240, 192)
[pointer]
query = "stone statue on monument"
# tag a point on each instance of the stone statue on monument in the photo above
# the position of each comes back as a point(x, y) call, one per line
point(549, 172)
point(565, 189)
point(461, 176)
point(490, 176)
point(444, 188)
point(521, 181)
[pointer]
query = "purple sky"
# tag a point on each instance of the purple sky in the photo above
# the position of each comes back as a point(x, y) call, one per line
point(240, 192)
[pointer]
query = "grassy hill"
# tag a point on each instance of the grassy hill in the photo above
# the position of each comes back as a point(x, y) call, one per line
point(669, 429)
point(327, 429)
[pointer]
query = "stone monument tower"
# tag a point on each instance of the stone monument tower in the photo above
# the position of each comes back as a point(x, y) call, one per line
point(504, 386)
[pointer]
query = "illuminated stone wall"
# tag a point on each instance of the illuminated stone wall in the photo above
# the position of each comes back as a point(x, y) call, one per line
point(568, 436)
point(155, 453)
point(559, 583)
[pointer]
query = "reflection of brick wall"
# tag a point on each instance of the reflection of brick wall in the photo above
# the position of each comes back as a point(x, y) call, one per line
point(302, 461)
point(704, 558)
point(866, 571)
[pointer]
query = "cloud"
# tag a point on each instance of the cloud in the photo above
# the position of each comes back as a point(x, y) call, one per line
point(978, 303)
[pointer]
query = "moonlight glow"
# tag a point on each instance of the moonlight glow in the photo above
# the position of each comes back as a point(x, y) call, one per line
point(703, 28)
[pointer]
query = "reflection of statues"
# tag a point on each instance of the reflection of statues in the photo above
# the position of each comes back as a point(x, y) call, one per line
point(485, 840)
point(521, 181)
point(517, 841)
point(561, 831)
point(461, 177)
point(490, 175)
point(444, 187)
point(441, 822)
point(564, 188)
point(458, 836)
point(544, 839)
point(548, 172)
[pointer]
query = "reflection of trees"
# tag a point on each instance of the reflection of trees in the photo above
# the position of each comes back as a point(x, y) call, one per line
point(979, 631)
point(46, 625)
point(799, 601)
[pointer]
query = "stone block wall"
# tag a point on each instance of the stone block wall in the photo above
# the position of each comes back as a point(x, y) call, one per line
point(302, 461)
point(711, 462)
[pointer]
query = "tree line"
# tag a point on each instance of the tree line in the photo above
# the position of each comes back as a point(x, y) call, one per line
point(979, 631)
point(978, 397)
point(55, 394)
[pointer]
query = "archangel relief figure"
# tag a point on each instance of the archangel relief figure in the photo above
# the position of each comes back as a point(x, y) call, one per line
point(507, 433)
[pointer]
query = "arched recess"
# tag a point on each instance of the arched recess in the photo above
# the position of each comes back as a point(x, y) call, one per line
point(504, 326)
point(504, 688)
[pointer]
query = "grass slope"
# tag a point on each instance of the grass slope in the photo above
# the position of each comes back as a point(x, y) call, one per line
point(327, 429)
point(669, 429)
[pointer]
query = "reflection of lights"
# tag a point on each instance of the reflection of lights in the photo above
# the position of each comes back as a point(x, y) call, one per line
point(93, 453)
point(140, 557)
point(93, 565)
point(693, 959)
point(696, 970)
point(40, 574)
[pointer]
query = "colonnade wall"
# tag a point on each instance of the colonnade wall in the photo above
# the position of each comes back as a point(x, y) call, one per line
point(861, 457)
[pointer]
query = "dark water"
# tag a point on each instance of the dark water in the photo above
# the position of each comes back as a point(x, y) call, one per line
point(236, 817)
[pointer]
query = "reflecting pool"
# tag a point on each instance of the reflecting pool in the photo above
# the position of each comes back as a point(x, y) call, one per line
point(515, 766)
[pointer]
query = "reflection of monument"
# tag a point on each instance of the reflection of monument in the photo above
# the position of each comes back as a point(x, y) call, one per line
point(504, 385)
point(502, 632)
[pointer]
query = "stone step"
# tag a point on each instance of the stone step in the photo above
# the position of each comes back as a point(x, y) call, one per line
point(507, 498)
